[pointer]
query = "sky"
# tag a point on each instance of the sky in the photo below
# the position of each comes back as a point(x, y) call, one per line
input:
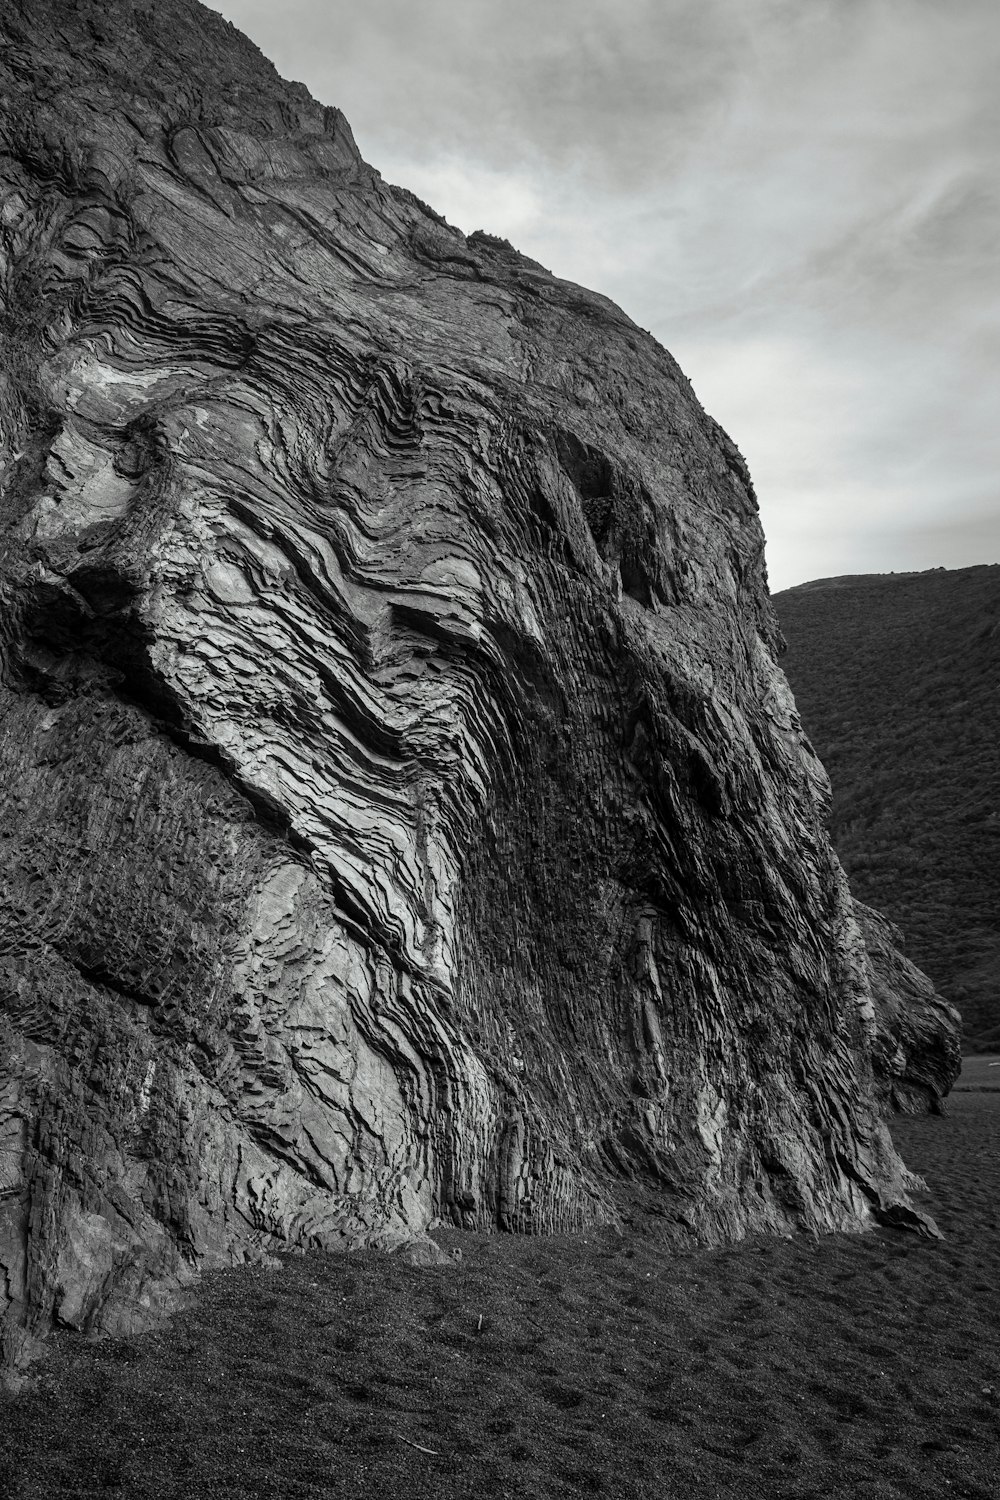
point(799, 198)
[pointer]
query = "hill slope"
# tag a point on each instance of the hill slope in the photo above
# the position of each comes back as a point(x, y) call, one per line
point(896, 677)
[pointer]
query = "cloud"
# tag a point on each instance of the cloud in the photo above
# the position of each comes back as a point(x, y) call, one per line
point(799, 200)
point(859, 453)
point(587, 81)
point(957, 543)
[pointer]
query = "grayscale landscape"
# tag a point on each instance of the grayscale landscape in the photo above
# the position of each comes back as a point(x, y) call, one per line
point(441, 1050)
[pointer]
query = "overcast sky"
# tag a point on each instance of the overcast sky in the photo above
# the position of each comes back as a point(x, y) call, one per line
point(799, 198)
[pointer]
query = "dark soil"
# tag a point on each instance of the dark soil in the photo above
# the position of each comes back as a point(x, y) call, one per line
point(862, 1367)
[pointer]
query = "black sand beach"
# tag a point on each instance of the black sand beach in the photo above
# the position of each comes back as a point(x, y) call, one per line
point(864, 1367)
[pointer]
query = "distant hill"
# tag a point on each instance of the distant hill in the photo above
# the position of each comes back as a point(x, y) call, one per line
point(897, 679)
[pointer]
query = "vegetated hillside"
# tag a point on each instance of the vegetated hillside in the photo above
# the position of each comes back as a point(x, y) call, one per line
point(896, 678)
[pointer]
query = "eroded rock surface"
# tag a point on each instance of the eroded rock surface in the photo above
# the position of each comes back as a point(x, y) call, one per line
point(917, 1052)
point(402, 813)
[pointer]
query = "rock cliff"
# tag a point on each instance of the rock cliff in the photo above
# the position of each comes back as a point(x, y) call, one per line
point(402, 813)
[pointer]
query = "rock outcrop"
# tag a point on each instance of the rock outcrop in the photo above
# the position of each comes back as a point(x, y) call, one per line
point(402, 813)
point(917, 1053)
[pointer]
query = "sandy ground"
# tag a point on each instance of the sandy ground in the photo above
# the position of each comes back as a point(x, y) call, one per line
point(856, 1367)
point(979, 1073)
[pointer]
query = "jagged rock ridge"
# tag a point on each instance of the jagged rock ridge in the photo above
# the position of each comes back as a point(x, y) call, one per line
point(403, 814)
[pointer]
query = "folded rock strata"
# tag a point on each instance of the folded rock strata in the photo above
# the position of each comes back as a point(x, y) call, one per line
point(402, 813)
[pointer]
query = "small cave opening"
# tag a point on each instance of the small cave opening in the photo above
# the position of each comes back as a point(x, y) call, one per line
point(635, 583)
point(594, 479)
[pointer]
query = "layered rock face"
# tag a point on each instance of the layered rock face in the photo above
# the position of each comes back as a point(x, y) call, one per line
point(402, 813)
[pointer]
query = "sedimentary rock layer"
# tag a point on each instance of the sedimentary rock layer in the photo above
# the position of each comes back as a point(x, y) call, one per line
point(402, 813)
